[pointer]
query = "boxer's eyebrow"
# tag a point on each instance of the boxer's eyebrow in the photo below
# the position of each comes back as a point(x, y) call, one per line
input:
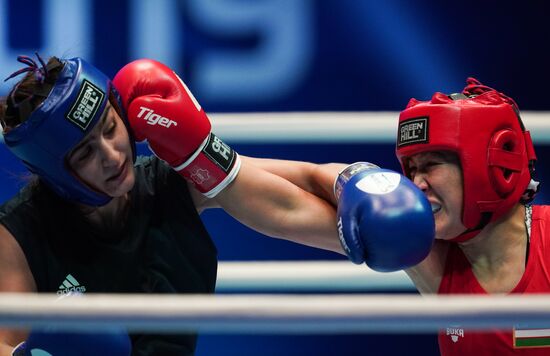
point(91, 135)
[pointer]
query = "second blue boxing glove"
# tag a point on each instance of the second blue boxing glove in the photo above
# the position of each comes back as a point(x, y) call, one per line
point(57, 343)
point(383, 219)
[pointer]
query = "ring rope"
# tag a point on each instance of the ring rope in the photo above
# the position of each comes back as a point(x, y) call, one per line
point(304, 276)
point(333, 127)
point(274, 313)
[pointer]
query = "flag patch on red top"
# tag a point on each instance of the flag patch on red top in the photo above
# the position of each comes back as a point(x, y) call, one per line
point(528, 337)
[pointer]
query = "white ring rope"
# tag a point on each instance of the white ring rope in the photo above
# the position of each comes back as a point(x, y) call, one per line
point(274, 313)
point(334, 127)
point(315, 276)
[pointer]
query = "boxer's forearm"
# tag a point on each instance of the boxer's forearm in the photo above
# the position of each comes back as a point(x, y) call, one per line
point(276, 207)
point(317, 179)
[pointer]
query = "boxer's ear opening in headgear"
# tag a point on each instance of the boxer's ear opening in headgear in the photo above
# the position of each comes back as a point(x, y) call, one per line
point(457, 96)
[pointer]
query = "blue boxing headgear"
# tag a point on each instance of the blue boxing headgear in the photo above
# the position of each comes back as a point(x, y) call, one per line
point(71, 110)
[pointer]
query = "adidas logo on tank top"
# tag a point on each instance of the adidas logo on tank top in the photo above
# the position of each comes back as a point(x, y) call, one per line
point(70, 285)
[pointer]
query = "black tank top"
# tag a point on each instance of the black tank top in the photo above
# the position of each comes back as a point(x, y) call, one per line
point(162, 247)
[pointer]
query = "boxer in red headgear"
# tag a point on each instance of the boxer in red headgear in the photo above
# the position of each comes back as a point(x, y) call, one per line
point(473, 158)
point(482, 127)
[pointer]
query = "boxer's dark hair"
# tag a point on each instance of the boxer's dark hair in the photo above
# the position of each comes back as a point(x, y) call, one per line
point(30, 91)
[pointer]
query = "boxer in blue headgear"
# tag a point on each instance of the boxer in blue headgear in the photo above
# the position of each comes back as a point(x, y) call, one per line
point(61, 120)
point(72, 107)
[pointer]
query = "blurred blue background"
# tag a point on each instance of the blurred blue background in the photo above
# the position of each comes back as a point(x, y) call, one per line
point(296, 55)
point(305, 55)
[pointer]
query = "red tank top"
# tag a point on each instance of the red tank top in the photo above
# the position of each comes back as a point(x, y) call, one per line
point(521, 340)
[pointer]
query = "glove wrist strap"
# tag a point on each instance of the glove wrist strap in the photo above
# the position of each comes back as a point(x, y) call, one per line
point(349, 171)
point(212, 167)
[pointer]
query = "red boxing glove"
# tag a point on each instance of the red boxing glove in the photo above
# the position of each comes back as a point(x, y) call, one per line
point(162, 110)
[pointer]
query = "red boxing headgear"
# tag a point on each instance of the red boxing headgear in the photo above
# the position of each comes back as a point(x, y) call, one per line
point(483, 127)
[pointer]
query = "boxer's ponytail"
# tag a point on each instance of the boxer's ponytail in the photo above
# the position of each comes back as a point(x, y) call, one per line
point(30, 91)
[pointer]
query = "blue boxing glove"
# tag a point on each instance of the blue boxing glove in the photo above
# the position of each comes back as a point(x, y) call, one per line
point(45, 343)
point(383, 219)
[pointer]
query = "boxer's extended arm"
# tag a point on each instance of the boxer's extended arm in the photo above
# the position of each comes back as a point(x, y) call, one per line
point(317, 179)
point(162, 110)
point(278, 208)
